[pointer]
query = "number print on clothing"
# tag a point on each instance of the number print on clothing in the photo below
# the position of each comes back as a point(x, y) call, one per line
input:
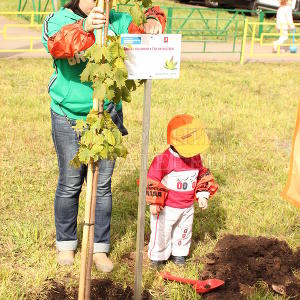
point(182, 181)
point(77, 59)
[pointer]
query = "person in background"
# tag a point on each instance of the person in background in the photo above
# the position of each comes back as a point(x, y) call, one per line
point(67, 33)
point(284, 23)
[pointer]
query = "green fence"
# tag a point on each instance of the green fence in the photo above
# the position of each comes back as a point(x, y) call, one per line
point(211, 30)
point(214, 30)
point(40, 6)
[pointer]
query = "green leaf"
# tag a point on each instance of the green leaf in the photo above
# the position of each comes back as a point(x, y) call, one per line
point(108, 121)
point(137, 14)
point(121, 77)
point(88, 72)
point(99, 139)
point(121, 151)
point(96, 150)
point(80, 125)
point(88, 138)
point(109, 81)
point(122, 53)
point(104, 153)
point(110, 93)
point(84, 155)
point(117, 135)
point(97, 125)
point(75, 162)
point(85, 75)
point(125, 94)
point(141, 82)
point(92, 117)
point(99, 91)
point(119, 63)
point(118, 95)
point(130, 84)
point(109, 137)
point(147, 3)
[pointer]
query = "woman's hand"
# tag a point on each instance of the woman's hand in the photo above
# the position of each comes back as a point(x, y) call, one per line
point(152, 26)
point(95, 20)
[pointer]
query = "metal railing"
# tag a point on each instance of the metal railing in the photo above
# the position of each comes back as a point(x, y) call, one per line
point(31, 25)
point(264, 41)
point(208, 27)
point(205, 30)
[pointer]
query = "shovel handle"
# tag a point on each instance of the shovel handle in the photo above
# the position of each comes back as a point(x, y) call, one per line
point(168, 276)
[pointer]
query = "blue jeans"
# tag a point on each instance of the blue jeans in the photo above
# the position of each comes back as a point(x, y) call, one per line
point(69, 187)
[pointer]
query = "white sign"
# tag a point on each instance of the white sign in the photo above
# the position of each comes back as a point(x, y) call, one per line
point(152, 56)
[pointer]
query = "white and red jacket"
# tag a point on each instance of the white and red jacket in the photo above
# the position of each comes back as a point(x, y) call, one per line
point(181, 178)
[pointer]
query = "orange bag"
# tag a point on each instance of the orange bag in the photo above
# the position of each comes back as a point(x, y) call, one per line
point(156, 193)
point(291, 191)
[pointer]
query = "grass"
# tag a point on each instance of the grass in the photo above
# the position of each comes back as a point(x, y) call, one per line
point(249, 113)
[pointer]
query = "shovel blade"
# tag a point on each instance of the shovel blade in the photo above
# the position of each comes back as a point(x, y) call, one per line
point(204, 286)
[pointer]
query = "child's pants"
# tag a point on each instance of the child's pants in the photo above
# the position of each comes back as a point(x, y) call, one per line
point(284, 35)
point(171, 233)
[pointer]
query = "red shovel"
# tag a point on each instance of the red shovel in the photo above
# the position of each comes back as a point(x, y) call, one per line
point(201, 286)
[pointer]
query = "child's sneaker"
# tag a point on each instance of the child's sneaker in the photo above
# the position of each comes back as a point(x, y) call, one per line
point(157, 263)
point(178, 260)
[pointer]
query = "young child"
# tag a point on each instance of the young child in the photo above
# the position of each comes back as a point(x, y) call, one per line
point(284, 23)
point(176, 178)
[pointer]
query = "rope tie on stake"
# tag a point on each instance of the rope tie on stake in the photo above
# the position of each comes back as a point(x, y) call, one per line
point(88, 224)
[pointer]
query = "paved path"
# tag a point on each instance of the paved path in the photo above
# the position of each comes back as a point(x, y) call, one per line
point(186, 47)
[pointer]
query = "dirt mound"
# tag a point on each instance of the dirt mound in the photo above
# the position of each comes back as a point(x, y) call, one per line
point(103, 289)
point(242, 261)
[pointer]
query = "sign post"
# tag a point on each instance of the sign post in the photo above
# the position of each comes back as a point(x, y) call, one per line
point(149, 57)
point(142, 191)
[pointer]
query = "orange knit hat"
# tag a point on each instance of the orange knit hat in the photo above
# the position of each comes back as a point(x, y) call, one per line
point(187, 135)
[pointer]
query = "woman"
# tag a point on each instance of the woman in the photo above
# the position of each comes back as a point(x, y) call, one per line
point(66, 35)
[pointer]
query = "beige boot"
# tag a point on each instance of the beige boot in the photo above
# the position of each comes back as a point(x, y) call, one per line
point(102, 262)
point(65, 258)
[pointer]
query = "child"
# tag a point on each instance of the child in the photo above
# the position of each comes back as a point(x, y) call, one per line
point(284, 23)
point(175, 179)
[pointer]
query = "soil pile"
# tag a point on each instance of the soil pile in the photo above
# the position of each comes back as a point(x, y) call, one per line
point(242, 261)
point(100, 290)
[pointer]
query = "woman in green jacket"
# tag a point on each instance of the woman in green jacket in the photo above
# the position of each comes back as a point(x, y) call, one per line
point(67, 33)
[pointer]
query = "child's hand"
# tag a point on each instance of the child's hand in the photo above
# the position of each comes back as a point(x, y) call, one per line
point(203, 199)
point(155, 209)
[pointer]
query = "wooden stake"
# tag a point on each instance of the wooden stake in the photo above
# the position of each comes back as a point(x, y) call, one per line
point(86, 229)
point(142, 193)
point(91, 233)
point(107, 20)
point(90, 207)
